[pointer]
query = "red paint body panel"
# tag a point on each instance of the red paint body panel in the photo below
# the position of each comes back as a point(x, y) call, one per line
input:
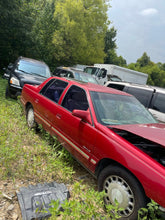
point(90, 143)
point(152, 132)
point(150, 173)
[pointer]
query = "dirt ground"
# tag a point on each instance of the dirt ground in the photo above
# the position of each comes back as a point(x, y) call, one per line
point(9, 205)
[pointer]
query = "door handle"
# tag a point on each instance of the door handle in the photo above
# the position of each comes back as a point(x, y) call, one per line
point(58, 116)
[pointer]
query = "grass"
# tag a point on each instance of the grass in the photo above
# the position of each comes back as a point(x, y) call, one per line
point(25, 154)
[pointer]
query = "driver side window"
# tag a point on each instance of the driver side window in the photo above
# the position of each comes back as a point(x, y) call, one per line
point(75, 99)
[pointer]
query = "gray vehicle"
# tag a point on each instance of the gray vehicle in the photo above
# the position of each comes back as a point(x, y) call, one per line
point(110, 72)
point(74, 73)
point(153, 98)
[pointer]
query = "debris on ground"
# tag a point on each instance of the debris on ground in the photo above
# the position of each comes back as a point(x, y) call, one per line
point(35, 200)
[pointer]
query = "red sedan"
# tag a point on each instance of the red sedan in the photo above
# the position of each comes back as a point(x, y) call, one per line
point(107, 131)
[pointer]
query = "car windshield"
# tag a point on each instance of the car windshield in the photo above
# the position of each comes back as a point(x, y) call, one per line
point(85, 77)
point(91, 70)
point(34, 68)
point(114, 109)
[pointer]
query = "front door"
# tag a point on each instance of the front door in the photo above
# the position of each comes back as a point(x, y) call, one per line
point(79, 135)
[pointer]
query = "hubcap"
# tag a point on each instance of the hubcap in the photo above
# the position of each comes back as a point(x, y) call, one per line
point(116, 188)
point(30, 117)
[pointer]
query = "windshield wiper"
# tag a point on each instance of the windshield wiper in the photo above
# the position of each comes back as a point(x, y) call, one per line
point(37, 74)
point(22, 71)
point(31, 73)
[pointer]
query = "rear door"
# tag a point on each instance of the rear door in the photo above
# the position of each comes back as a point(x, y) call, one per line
point(143, 95)
point(158, 106)
point(46, 103)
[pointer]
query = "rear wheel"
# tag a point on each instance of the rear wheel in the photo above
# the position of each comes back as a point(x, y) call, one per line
point(30, 117)
point(122, 186)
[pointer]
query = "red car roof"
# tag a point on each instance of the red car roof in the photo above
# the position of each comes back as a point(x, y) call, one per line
point(92, 86)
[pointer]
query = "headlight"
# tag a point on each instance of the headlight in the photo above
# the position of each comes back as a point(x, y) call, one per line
point(14, 81)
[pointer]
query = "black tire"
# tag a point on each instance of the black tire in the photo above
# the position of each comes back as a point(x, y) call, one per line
point(121, 185)
point(30, 117)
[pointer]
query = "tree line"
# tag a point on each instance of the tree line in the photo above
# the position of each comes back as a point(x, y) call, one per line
point(65, 32)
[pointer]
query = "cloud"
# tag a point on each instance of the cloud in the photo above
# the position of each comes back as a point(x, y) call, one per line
point(140, 28)
point(149, 12)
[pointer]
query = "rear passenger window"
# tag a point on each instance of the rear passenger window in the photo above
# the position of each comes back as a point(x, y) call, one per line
point(144, 96)
point(54, 90)
point(159, 102)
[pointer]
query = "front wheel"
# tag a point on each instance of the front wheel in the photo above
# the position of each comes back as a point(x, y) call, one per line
point(122, 186)
point(30, 117)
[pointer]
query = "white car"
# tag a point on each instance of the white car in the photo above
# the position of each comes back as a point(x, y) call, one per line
point(153, 98)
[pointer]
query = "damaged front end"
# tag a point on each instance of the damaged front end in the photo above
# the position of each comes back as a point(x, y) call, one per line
point(154, 150)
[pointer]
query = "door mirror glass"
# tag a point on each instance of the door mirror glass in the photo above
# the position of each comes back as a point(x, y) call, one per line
point(10, 66)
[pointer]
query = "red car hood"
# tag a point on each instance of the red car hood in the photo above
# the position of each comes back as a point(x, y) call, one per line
point(152, 132)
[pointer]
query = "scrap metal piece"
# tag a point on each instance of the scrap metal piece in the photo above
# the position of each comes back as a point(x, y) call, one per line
point(35, 200)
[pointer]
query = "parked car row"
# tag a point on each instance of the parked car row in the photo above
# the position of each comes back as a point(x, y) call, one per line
point(34, 72)
point(153, 98)
point(109, 132)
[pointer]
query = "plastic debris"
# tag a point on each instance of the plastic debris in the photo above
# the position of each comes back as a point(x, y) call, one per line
point(35, 200)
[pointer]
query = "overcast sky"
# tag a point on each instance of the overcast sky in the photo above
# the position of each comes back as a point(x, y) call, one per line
point(140, 28)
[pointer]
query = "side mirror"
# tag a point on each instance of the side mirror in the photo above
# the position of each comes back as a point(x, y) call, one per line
point(6, 76)
point(10, 66)
point(84, 115)
point(104, 73)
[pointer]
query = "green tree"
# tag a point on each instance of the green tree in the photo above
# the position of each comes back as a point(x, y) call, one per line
point(157, 76)
point(112, 58)
point(110, 40)
point(79, 37)
point(8, 23)
point(156, 72)
point(121, 61)
point(15, 28)
point(110, 49)
point(42, 32)
point(144, 60)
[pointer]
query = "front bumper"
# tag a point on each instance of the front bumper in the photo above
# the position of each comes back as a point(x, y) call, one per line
point(14, 90)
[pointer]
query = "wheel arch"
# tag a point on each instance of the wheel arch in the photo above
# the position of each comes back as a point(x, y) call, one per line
point(27, 105)
point(105, 162)
point(30, 119)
